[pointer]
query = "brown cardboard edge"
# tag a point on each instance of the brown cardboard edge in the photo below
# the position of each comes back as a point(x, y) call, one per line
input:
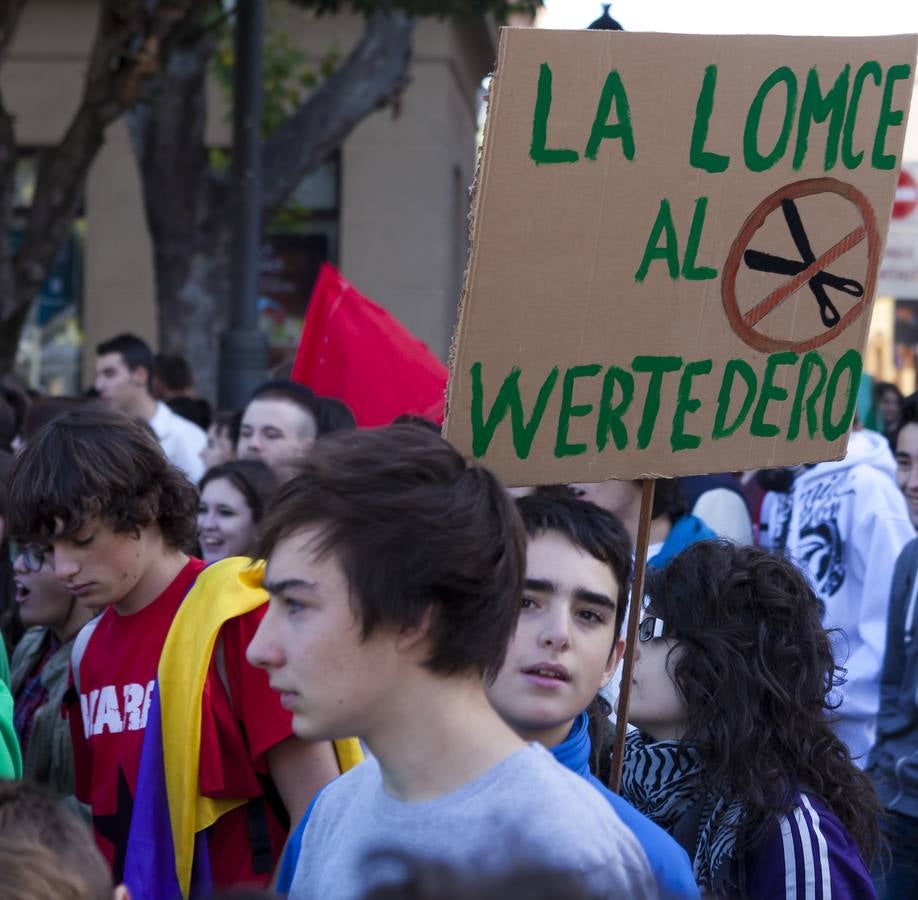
point(478, 187)
point(476, 191)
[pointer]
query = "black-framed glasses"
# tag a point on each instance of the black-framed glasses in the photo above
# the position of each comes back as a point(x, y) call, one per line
point(33, 558)
point(651, 628)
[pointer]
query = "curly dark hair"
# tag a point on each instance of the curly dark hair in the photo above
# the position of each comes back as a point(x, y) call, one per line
point(756, 675)
point(94, 461)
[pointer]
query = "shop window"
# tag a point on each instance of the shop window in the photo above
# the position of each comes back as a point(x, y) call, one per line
point(301, 237)
point(49, 348)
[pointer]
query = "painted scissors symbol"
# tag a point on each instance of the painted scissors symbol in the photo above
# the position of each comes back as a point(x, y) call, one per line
point(767, 262)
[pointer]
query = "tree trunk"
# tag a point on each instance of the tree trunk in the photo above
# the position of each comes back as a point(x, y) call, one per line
point(130, 41)
point(11, 327)
point(187, 204)
point(192, 316)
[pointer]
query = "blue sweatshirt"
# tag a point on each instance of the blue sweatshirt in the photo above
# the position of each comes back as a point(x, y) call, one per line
point(668, 861)
point(685, 531)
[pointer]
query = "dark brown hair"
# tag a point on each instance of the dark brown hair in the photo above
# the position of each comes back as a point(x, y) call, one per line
point(433, 880)
point(588, 527)
point(44, 409)
point(908, 415)
point(174, 371)
point(228, 420)
point(299, 395)
point(6, 463)
point(333, 415)
point(45, 851)
point(134, 351)
point(667, 499)
point(756, 675)
point(414, 529)
point(251, 477)
point(94, 461)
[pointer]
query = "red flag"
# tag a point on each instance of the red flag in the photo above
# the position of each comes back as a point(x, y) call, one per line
point(356, 351)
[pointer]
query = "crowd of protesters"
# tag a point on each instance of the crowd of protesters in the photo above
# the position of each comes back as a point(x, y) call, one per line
point(264, 648)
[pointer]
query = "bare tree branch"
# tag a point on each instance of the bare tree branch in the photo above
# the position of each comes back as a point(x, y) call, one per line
point(130, 42)
point(374, 74)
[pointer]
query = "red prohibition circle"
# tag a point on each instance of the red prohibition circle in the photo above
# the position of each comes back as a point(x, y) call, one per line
point(743, 324)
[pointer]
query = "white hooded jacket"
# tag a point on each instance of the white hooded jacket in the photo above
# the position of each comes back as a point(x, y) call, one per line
point(845, 523)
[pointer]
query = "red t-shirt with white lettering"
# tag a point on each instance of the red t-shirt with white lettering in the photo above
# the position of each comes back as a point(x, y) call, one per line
point(117, 676)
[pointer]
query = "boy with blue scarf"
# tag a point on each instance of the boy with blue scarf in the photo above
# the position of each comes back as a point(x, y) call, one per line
point(566, 647)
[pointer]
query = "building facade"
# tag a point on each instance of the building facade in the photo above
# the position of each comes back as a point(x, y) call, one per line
point(390, 209)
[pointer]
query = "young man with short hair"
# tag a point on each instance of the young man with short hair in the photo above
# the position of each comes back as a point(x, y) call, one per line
point(173, 383)
point(567, 645)
point(124, 379)
point(395, 571)
point(279, 425)
point(165, 709)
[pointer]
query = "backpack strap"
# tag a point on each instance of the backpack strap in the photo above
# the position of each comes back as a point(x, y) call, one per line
point(80, 642)
point(257, 807)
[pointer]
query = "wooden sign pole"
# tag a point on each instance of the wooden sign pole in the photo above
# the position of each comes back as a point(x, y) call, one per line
point(634, 619)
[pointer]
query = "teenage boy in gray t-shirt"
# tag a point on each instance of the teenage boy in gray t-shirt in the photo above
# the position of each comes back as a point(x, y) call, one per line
point(395, 572)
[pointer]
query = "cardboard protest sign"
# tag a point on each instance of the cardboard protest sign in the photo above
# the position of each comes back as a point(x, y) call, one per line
point(676, 242)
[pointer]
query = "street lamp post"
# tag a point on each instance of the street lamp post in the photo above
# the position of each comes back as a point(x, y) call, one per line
point(605, 22)
point(243, 346)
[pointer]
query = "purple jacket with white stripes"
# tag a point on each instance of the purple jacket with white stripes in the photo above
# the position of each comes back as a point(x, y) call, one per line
point(810, 857)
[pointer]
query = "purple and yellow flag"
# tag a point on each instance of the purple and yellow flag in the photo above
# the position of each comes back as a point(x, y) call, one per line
point(167, 846)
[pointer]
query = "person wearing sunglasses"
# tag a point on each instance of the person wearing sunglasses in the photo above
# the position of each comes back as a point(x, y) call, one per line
point(39, 667)
point(733, 751)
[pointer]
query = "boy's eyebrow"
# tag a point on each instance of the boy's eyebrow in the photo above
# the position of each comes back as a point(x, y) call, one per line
point(584, 595)
point(279, 587)
point(594, 598)
point(542, 585)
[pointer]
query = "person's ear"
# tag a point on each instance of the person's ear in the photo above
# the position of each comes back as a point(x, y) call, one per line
point(618, 648)
point(121, 893)
point(410, 639)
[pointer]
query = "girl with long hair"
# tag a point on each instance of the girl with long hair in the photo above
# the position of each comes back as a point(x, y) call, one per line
point(734, 752)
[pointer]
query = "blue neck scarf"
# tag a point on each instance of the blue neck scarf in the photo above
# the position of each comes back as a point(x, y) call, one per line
point(574, 751)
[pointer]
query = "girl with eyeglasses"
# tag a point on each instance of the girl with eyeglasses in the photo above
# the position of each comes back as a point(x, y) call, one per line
point(733, 751)
point(40, 665)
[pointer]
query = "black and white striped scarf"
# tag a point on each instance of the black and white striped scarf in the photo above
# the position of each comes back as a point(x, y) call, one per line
point(662, 780)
